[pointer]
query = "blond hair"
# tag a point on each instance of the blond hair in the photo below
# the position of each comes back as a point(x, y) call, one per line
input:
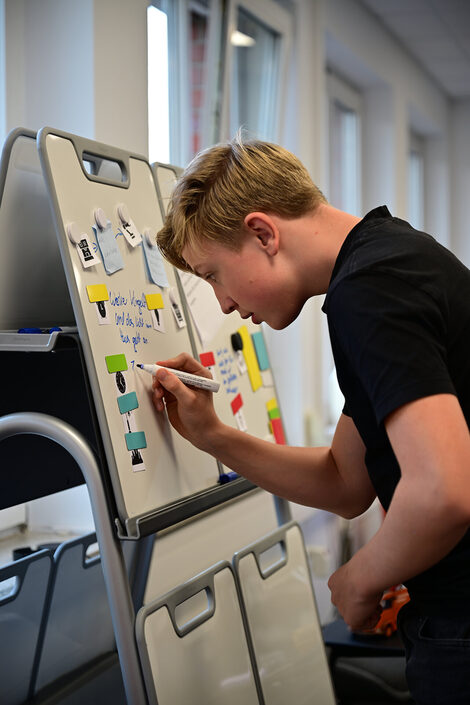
point(226, 182)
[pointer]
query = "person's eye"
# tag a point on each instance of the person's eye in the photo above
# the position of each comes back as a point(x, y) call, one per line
point(210, 277)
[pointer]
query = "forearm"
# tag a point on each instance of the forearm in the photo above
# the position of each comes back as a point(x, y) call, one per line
point(430, 510)
point(333, 478)
point(417, 532)
point(303, 475)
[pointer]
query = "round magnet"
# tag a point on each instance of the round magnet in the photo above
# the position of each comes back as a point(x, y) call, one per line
point(100, 218)
point(237, 341)
point(74, 233)
point(149, 238)
point(123, 213)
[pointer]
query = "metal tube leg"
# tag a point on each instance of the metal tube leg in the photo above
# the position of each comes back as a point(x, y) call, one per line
point(115, 576)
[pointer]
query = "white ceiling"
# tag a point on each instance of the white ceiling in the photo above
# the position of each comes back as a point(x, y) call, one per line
point(436, 33)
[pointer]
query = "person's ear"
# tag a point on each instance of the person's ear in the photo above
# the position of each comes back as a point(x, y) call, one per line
point(265, 230)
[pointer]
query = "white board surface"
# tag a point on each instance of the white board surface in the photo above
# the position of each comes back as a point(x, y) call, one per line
point(118, 329)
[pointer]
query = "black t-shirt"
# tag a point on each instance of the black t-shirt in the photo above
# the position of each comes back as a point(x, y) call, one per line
point(398, 308)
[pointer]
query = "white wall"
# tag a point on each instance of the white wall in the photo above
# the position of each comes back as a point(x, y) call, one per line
point(49, 64)
point(79, 67)
point(460, 180)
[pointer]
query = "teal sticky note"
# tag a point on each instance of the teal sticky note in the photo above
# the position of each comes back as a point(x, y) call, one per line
point(127, 402)
point(155, 264)
point(109, 248)
point(260, 349)
point(136, 440)
point(116, 363)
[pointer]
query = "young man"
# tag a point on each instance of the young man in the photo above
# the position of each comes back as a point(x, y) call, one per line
point(248, 219)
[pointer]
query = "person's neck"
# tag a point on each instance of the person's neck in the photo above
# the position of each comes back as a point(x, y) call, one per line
point(322, 235)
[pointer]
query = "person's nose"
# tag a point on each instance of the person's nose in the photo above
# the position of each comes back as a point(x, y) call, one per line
point(227, 304)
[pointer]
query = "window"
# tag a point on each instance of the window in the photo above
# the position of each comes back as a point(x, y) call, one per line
point(199, 33)
point(416, 182)
point(255, 76)
point(214, 66)
point(183, 77)
point(3, 101)
point(257, 53)
point(344, 165)
point(345, 146)
point(158, 97)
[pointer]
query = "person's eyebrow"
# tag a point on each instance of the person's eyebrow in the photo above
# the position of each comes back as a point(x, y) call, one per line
point(196, 270)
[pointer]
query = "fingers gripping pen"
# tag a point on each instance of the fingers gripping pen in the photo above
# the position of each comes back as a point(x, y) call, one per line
point(186, 377)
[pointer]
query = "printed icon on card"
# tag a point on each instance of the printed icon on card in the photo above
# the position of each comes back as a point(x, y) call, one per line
point(237, 409)
point(155, 305)
point(176, 308)
point(127, 226)
point(237, 345)
point(121, 382)
point(83, 244)
point(98, 294)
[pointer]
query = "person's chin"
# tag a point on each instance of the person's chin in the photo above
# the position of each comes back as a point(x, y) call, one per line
point(279, 323)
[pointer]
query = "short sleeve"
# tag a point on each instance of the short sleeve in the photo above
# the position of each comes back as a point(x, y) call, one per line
point(393, 336)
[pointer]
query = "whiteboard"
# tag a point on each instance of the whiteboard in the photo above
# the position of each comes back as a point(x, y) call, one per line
point(248, 398)
point(193, 645)
point(28, 236)
point(274, 580)
point(150, 465)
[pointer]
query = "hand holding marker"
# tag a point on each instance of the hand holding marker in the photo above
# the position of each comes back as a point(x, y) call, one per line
point(186, 377)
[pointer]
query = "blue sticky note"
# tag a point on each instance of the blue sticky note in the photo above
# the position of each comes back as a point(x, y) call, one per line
point(127, 402)
point(109, 248)
point(155, 264)
point(136, 440)
point(260, 349)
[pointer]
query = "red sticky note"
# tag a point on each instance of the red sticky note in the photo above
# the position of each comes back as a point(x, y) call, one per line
point(278, 431)
point(236, 404)
point(207, 359)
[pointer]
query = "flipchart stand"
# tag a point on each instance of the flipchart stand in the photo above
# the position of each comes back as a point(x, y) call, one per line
point(58, 154)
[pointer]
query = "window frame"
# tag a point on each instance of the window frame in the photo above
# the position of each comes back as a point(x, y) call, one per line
point(343, 95)
point(417, 151)
point(281, 22)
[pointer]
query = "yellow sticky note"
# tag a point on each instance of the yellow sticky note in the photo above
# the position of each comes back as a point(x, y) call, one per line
point(154, 301)
point(97, 292)
point(249, 354)
point(271, 404)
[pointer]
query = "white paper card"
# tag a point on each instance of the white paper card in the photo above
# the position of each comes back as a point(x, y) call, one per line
point(203, 305)
point(130, 232)
point(87, 253)
point(155, 264)
point(156, 315)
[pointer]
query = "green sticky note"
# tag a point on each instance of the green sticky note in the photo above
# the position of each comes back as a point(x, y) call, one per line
point(274, 413)
point(116, 363)
point(260, 349)
point(135, 440)
point(127, 402)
